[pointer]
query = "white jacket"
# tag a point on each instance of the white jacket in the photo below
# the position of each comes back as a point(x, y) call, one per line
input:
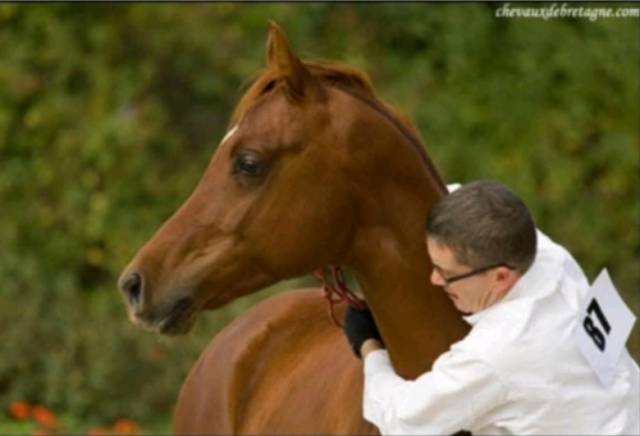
point(518, 371)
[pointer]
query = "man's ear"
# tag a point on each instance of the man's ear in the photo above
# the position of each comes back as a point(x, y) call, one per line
point(281, 59)
point(505, 279)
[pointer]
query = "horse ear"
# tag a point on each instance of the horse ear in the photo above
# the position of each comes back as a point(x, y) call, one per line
point(286, 63)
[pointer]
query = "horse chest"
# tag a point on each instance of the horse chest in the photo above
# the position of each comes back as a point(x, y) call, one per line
point(290, 373)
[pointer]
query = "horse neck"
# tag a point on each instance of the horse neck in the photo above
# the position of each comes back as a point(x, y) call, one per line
point(417, 321)
point(388, 252)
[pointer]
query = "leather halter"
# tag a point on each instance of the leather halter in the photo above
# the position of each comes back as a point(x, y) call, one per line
point(336, 290)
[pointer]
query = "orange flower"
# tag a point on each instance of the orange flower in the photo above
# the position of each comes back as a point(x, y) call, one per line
point(44, 417)
point(98, 431)
point(125, 426)
point(20, 410)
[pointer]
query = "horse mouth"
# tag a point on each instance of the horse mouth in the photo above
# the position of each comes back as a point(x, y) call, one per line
point(180, 318)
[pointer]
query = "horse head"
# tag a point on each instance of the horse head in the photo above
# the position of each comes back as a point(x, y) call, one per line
point(282, 195)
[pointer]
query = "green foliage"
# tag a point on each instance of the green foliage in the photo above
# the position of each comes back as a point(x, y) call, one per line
point(110, 112)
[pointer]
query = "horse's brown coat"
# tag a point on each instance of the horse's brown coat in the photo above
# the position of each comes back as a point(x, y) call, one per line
point(282, 356)
point(346, 182)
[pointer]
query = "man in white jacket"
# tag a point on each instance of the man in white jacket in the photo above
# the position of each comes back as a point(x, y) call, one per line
point(519, 370)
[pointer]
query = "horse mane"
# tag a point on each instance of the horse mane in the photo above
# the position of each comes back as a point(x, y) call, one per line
point(350, 80)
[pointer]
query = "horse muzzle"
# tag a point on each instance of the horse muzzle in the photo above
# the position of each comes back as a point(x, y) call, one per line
point(175, 317)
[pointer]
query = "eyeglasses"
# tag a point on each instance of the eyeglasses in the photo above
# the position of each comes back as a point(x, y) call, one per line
point(452, 279)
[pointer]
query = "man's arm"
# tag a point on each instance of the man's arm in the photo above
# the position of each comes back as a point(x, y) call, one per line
point(458, 391)
point(455, 395)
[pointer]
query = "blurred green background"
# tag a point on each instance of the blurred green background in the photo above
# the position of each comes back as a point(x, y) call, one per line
point(109, 114)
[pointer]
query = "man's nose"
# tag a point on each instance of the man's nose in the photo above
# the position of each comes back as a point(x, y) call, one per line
point(436, 278)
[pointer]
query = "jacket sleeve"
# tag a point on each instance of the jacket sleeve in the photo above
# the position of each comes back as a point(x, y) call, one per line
point(453, 396)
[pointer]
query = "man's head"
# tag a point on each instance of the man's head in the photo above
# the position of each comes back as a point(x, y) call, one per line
point(481, 239)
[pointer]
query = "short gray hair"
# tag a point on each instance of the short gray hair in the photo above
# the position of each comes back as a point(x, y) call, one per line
point(485, 223)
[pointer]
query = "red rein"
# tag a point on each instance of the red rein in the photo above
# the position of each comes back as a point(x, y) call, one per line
point(336, 290)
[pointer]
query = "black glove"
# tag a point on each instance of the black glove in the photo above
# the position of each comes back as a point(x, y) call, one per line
point(359, 326)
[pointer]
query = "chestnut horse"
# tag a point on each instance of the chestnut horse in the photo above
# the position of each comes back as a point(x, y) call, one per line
point(315, 171)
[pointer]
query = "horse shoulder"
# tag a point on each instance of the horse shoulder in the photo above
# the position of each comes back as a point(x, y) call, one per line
point(280, 367)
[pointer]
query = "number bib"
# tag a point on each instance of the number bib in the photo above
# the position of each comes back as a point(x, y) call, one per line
point(604, 326)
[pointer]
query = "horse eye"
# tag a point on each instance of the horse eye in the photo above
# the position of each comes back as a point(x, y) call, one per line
point(248, 165)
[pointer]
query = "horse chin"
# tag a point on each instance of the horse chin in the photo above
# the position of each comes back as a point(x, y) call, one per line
point(178, 320)
point(174, 329)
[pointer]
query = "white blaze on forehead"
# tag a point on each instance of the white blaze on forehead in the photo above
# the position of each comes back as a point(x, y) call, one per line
point(229, 134)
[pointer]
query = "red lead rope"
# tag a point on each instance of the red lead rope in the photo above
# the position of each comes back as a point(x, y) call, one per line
point(336, 290)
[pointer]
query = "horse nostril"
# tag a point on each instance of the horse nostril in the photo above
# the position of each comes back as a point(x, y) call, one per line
point(133, 289)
